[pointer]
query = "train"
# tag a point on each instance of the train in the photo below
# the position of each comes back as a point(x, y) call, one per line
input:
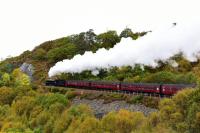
point(149, 88)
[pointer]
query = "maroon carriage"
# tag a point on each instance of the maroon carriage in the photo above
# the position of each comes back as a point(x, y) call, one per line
point(105, 85)
point(171, 89)
point(77, 83)
point(141, 87)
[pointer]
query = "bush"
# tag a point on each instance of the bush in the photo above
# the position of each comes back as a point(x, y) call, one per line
point(89, 125)
point(47, 100)
point(6, 79)
point(151, 102)
point(136, 99)
point(20, 79)
point(4, 111)
point(160, 77)
point(39, 54)
point(7, 95)
point(122, 122)
point(24, 106)
point(68, 116)
point(71, 94)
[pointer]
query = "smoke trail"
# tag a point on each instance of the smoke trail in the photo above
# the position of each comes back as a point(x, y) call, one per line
point(158, 45)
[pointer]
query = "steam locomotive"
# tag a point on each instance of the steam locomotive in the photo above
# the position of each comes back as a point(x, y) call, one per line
point(152, 88)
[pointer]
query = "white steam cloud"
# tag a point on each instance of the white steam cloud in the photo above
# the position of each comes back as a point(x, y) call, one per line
point(157, 45)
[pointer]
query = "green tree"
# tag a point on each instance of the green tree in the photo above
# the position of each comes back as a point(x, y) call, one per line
point(65, 52)
point(160, 77)
point(39, 54)
point(84, 41)
point(6, 80)
point(108, 39)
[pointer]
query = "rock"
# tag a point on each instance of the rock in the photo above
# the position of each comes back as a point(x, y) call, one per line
point(28, 69)
point(100, 109)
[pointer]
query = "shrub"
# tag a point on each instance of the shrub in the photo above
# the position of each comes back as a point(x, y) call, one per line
point(71, 94)
point(89, 125)
point(20, 79)
point(160, 77)
point(47, 100)
point(73, 113)
point(151, 102)
point(7, 95)
point(136, 99)
point(4, 111)
point(129, 122)
point(39, 54)
point(6, 79)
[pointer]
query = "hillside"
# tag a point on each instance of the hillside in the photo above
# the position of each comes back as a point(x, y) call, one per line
point(48, 53)
point(27, 106)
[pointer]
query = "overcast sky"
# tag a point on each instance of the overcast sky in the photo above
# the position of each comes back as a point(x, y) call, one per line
point(25, 24)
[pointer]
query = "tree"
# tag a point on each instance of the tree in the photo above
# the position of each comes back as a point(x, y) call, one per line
point(6, 80)
point(65, 52)
point(184, 65)
point(160, 77)
point(20, 79)
point(6, 67)
point(84, 41)
point(127, 32)
point(39, 54)
point(108, 39)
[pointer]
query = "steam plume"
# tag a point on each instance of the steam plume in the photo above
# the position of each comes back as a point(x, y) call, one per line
point(158, 45)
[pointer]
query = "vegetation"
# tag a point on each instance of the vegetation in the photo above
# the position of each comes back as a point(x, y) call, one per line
point(48, 53)
point(25, 110)
point(29, 107)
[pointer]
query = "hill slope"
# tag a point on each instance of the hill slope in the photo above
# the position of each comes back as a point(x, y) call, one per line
point(48, 53)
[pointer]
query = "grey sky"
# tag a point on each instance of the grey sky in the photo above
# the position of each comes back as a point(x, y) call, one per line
point(25, 24)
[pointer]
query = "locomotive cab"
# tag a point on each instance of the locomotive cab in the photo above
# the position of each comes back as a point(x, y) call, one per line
point(60, 83)
point(50, 83)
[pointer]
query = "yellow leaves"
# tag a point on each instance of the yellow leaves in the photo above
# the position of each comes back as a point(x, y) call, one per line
point(154, 119)
point(72, 118)
point(123, 122)
point(167, 107)
point(6, 79)
point(20, 79)
point(89, 125)
point(13, 127)
point(6, 95)
point(181, 98)
point(23, 106)
point(16, 73)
